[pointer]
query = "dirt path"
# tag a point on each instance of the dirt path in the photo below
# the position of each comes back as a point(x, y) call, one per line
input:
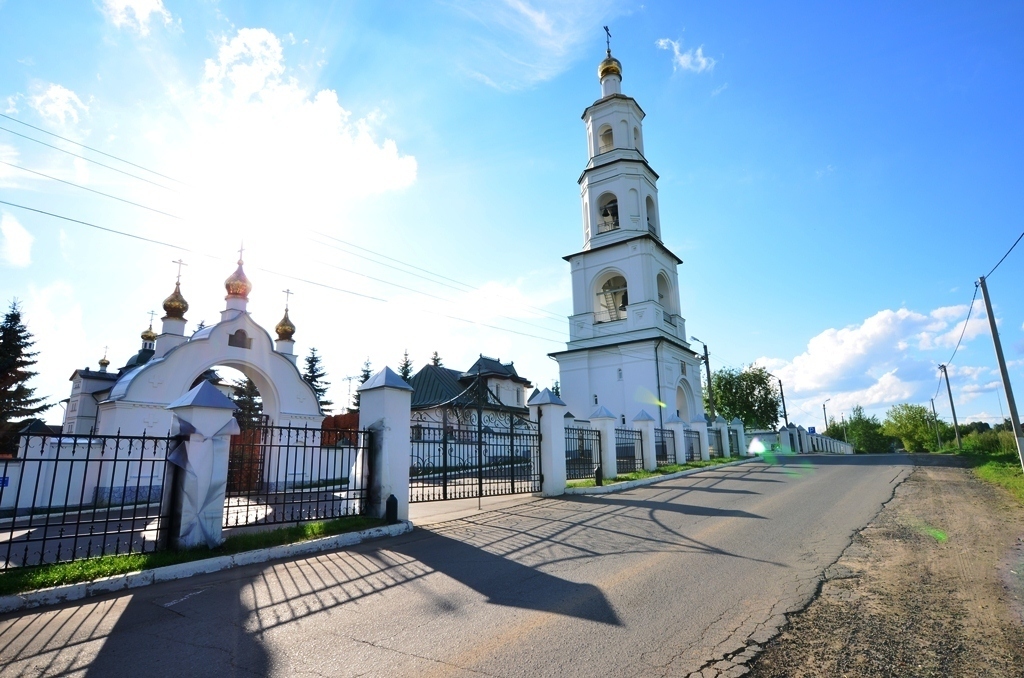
point(932, 587)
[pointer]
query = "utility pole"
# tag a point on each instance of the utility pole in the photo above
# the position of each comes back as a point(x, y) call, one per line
point(1010, 403)
point(935, 419)
point(707, 367)
point(825, 414)
point(956, 427)
point(782, 394)
point(846, 438)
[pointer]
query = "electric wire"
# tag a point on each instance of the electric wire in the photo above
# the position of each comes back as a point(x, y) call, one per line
point(94, 150)
point(82, 157)
point(91, 190)
point(1005, 255)
point(266, 270)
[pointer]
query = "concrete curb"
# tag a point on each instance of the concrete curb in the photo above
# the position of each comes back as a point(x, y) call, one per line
point(629, 485)
point(121, 582)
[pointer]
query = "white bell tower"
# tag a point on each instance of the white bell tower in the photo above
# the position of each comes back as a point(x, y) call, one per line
point(627, 348)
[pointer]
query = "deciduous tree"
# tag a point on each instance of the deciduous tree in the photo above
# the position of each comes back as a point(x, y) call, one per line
point(751, 395)
point(912, 424)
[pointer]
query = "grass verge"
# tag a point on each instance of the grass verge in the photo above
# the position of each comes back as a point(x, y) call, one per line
point(1002, 468)
point(21, 579)
point(662, 470)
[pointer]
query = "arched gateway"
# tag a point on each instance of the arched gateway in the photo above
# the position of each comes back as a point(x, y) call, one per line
point(139, 397)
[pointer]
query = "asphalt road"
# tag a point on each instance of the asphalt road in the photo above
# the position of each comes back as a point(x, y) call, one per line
point(662, 580)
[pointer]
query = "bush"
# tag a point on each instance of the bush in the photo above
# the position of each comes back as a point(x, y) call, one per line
point(989, 442)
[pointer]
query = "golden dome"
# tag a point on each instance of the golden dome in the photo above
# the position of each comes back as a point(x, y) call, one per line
point(148, 334)
point(285, 329)
point(238, 285)
point(175, 305)
point(104, 363)
point(610, 66)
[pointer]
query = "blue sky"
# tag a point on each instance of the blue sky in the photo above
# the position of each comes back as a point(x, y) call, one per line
point(835, 179)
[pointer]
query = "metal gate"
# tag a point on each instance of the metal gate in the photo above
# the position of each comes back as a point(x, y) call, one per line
point(691, 443)
point(665, 446)
point(734, 442)
point(629, 450)
point(582, 452)
point(284, 474)
point(715, 443)
point(480, 448)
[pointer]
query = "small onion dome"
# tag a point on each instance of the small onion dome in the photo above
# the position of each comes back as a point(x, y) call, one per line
point(285, 329)
point(104, 363)
point(148, 334)
point(238, 285)
point(175, 305)
point(610, 66)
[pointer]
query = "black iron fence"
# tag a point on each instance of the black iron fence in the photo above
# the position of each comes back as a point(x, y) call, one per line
point(715, 450)
point(65, 497)
point(734, 442)
point(691, 444)
point(629, 450)
point(582, 452)
point(451, 462)
point(665, 446)
point(284, 474)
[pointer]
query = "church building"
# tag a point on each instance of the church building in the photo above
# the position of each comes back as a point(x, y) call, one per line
point(627, 349)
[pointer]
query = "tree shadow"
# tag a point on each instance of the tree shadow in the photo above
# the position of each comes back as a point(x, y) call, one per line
point(685, 509)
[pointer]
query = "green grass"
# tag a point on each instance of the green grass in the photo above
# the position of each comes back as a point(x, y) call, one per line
point(1002, 468)
point(20, 579)
point(662, 470)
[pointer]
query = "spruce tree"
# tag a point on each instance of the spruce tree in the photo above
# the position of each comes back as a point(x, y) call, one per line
point(405, 367)
point(435, 360)
point(17, 399)
point(364, 376)
point(250, 404)
point(556, 389)
point(314, 375)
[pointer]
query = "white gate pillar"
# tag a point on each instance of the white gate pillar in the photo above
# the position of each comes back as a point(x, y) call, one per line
point(723, 430)
point(604, 421)
point(701, 427)
point(645, 423)
point(548, 411)
point(385, 402)
point(205, 417)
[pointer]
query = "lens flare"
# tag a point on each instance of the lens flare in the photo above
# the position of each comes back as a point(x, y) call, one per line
point(644, 395)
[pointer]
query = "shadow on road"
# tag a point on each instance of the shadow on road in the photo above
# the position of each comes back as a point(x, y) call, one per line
point(685, 509)
point(507, 582)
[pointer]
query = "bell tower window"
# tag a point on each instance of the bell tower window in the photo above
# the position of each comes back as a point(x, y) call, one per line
point(612, 300)
point(606, 140)
point(607, 213)
point(652, 217)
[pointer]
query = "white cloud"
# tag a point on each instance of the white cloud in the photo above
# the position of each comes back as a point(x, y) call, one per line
point(135, 14)
point(526, 42)
point(57, 104)
point(690, 60)
point(718, 90)
point(17, 242)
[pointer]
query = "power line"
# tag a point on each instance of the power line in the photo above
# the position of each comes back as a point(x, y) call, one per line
point(1004, 256)
point(94, 150)
point(91, 190)
point(82, 157)
point(272, 272)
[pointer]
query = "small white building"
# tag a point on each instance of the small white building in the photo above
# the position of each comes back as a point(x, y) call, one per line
point(436, 388)
point(628, 348)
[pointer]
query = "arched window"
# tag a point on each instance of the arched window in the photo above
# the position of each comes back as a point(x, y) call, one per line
point(652, 216)
point(612, 300)
point(606, 141)
point(638, 143)
point(667, 297)
point(607, 213)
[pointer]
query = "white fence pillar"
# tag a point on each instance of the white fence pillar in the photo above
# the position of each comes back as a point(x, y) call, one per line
point(677, 426)
point(548, 411)
point(723, 429)
point(206, 417)
point(741, 437)
point(645, 423)
point(701, 427)
point(604, 421)
point(384, 409)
